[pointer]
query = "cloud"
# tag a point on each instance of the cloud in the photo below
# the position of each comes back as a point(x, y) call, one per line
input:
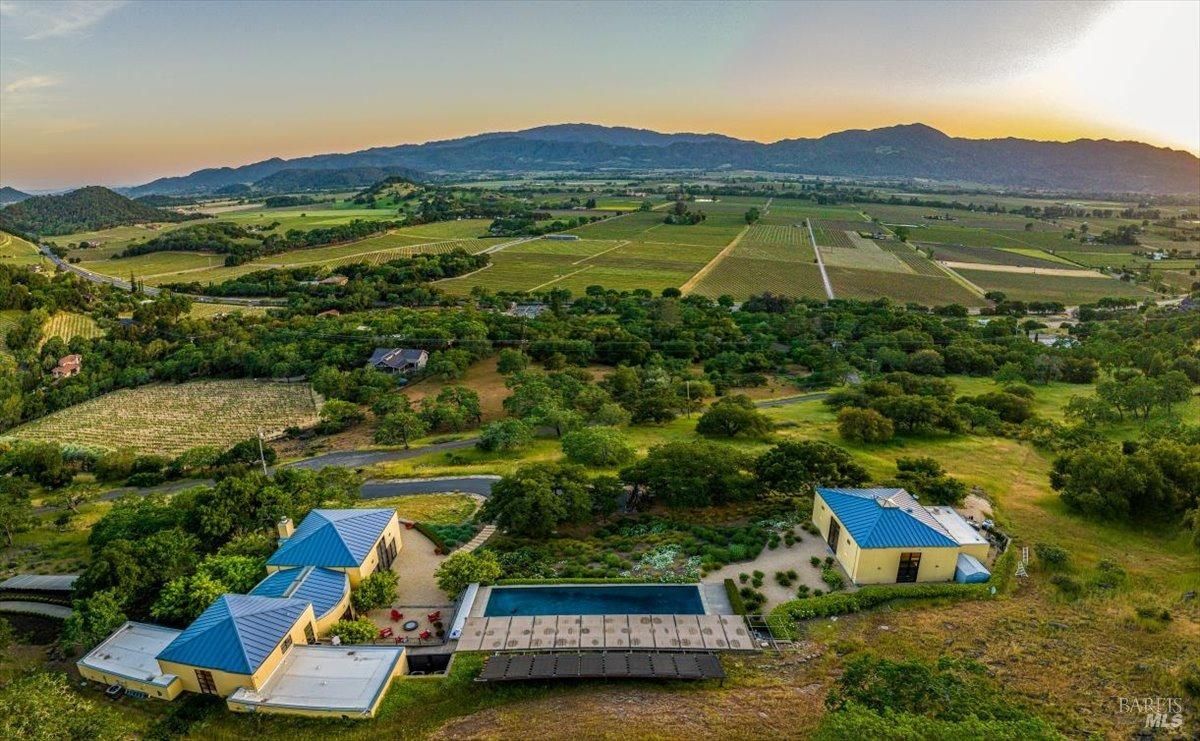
point(32, 82)
point(45, 20)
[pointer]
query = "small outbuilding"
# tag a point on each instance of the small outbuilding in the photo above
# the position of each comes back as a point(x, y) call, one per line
point(885, 536)
point(398, 359)
point(68, 365)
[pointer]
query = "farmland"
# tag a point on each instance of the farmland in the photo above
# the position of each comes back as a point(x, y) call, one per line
point(17, 251)
point(8, 319)
point(66, 325)
point(170, 419)
point(1070, 290)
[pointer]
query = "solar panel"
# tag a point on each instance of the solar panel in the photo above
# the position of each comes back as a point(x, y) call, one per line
point(605, 665)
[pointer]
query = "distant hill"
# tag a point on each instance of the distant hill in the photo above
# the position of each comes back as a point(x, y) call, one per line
point(348, 178)
point(86, 209)
point(11, 195)
point(903, 152)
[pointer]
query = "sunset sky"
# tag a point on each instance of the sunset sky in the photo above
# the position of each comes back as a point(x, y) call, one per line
point(119, 93)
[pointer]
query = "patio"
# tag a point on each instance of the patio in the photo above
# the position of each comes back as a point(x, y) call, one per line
point(417, 596)
point(797, 558)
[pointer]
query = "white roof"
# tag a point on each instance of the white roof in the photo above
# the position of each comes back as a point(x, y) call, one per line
point(129, 652)
point(959, 529)
point(346, 678)
point(40, 582)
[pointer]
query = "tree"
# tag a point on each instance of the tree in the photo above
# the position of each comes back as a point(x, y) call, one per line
point(864, 425)
point(799, 466)
point(925, 478)
point(93, 619)
point(463, 568)
point(533, 500)
point(182, 600)
point(1174, 387)
point(511, 361)
point(361, 630)
point(400, 427)
point(732, 416)
point(16, 510)
point(753, 215)
point(598, 446)
point(505, 436)
point(376, 591)
point(691, 474)
point(610, 414)
point(901, 233)
point(337, 416)
point(557, 418)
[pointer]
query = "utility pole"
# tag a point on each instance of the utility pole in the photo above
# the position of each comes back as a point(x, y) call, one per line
point(261, 457)
point(687, 384)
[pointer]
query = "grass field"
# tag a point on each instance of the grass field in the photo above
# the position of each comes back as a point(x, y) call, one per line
point(1072, 291)
point(66, 325)
point(170, 419)
point(435, 509)
point(17, 251)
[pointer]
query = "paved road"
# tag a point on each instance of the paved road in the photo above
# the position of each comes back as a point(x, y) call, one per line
point(35, 608)
point(481, 485)
point(363, 458)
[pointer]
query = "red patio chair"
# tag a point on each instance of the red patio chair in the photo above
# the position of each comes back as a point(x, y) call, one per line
point(401, 639)
point(433, 617)
point(426, 635)
point(385, 633)
point(396, 616)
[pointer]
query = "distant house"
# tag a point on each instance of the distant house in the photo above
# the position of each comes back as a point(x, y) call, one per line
point(334, 280)
point(68, 365)
point(562, 237)
point(885, 536)
point(526, 311)
point(330, 312)
point(398, 359)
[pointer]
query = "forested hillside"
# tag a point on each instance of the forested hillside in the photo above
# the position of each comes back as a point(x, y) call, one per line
point(86, 209)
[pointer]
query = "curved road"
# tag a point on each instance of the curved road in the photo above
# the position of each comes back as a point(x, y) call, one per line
point(363, 458)
point(382, 489)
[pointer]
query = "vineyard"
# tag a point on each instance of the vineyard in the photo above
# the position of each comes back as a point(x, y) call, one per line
point(66, 325)
point(865, 255)
point(989, 256)
point(8, 320)
point(170, 419)
point(828, 234)
point(900, 287)
point(913, 259)
point(1069, 290)
point(742, 277)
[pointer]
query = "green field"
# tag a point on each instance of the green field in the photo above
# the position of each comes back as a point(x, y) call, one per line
point(66, 325)
point(1071, 291)
point(1017, 257)
point(17, 251)
point(169, 419)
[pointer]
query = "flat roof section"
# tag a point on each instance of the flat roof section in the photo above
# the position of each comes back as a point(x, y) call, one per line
point(40, 582)
point(601, 665)
point(130, 653)
point(959, 529)
point(346, 679)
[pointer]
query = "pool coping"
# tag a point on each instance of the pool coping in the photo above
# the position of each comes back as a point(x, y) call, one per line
point(484, 595)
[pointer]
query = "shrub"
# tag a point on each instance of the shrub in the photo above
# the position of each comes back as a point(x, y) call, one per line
point(815, 561)
point(505, 436)
point(146, 478)
point(839, 603)
point(1108, 575)
point(461, 569)
point(833, 579)
point(1069, 587)
point(735, 597)
point(376, 591)
point(743, 577)
point(1051, 556)
point(361, 630)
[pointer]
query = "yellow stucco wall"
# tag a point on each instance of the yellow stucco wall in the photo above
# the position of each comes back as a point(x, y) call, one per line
point(169, 692)
point(228, 682)
point(327, 621)
point(879, 565)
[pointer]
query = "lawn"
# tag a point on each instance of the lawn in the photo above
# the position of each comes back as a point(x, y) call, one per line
point(169, 419)
point(434, 509)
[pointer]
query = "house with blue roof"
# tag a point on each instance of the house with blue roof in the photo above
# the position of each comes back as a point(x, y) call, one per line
point(357, 542)
point(885, 536)
point(328, 590)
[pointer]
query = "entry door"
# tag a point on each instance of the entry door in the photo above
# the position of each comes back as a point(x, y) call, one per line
point(835, 532)
point(205, 679)
point(910, 564)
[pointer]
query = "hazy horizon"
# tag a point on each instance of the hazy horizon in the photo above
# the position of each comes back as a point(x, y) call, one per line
point(121, 93)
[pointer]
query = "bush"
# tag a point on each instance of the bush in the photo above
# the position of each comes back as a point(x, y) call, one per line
point(1051, 556)
point(815, 561)
point(505, 436)
point(833, 579)
point(376, 591)
point(146, 478)
point(841, 603)
point(461, 569)
point(361, 630)
point(598, 446)
point(1069, 587)
point(735, 597)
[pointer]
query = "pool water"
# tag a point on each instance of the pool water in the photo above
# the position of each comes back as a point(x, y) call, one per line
point(656, 599)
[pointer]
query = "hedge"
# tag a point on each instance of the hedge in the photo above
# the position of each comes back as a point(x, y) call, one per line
point(735, 597)
point(433, 535)
point(841, 603)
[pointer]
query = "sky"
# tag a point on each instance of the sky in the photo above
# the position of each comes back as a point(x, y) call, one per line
point(119, 93)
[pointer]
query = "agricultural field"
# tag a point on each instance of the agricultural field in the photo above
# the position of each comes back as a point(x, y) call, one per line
point(172, 266)
point(915, 216)
point(994, 256)
point(8, 319)
point(970, 237)
point(915, 261)
point(901, 287)
point(208, 311)
point(17, 251)
point(66, 325)
point(864, 254)
point(741, 277)
point(169, 419)
point(1069, 290)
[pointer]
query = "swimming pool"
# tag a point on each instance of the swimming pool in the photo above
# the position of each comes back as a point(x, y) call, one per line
point(626, 599)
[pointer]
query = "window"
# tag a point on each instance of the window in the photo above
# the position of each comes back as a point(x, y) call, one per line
point(309, 635)
point(386, 551)
point(204, 678)
point(910, 564)
point(287, 643)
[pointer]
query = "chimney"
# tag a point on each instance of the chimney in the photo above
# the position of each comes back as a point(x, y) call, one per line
point(285, 528)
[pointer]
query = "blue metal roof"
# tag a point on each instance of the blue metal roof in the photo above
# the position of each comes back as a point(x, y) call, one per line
point(886, 518)
point(324, 588)
point(236, 633)
point(333, 537)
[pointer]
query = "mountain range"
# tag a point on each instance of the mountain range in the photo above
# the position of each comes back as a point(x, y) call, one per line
point(912, 151)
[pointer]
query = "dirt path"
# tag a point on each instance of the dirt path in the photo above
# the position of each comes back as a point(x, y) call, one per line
point(701, 274)
point(820, 262)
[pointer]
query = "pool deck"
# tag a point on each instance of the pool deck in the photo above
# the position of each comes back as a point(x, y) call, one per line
point(604, 632)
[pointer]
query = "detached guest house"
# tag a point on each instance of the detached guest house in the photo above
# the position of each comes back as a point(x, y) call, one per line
point(885, 536)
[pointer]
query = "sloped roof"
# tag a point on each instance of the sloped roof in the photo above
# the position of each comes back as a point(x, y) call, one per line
point(886, 518)
point(236, 633)
point(333, 538)
point(324, 588)
point(396, 357)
